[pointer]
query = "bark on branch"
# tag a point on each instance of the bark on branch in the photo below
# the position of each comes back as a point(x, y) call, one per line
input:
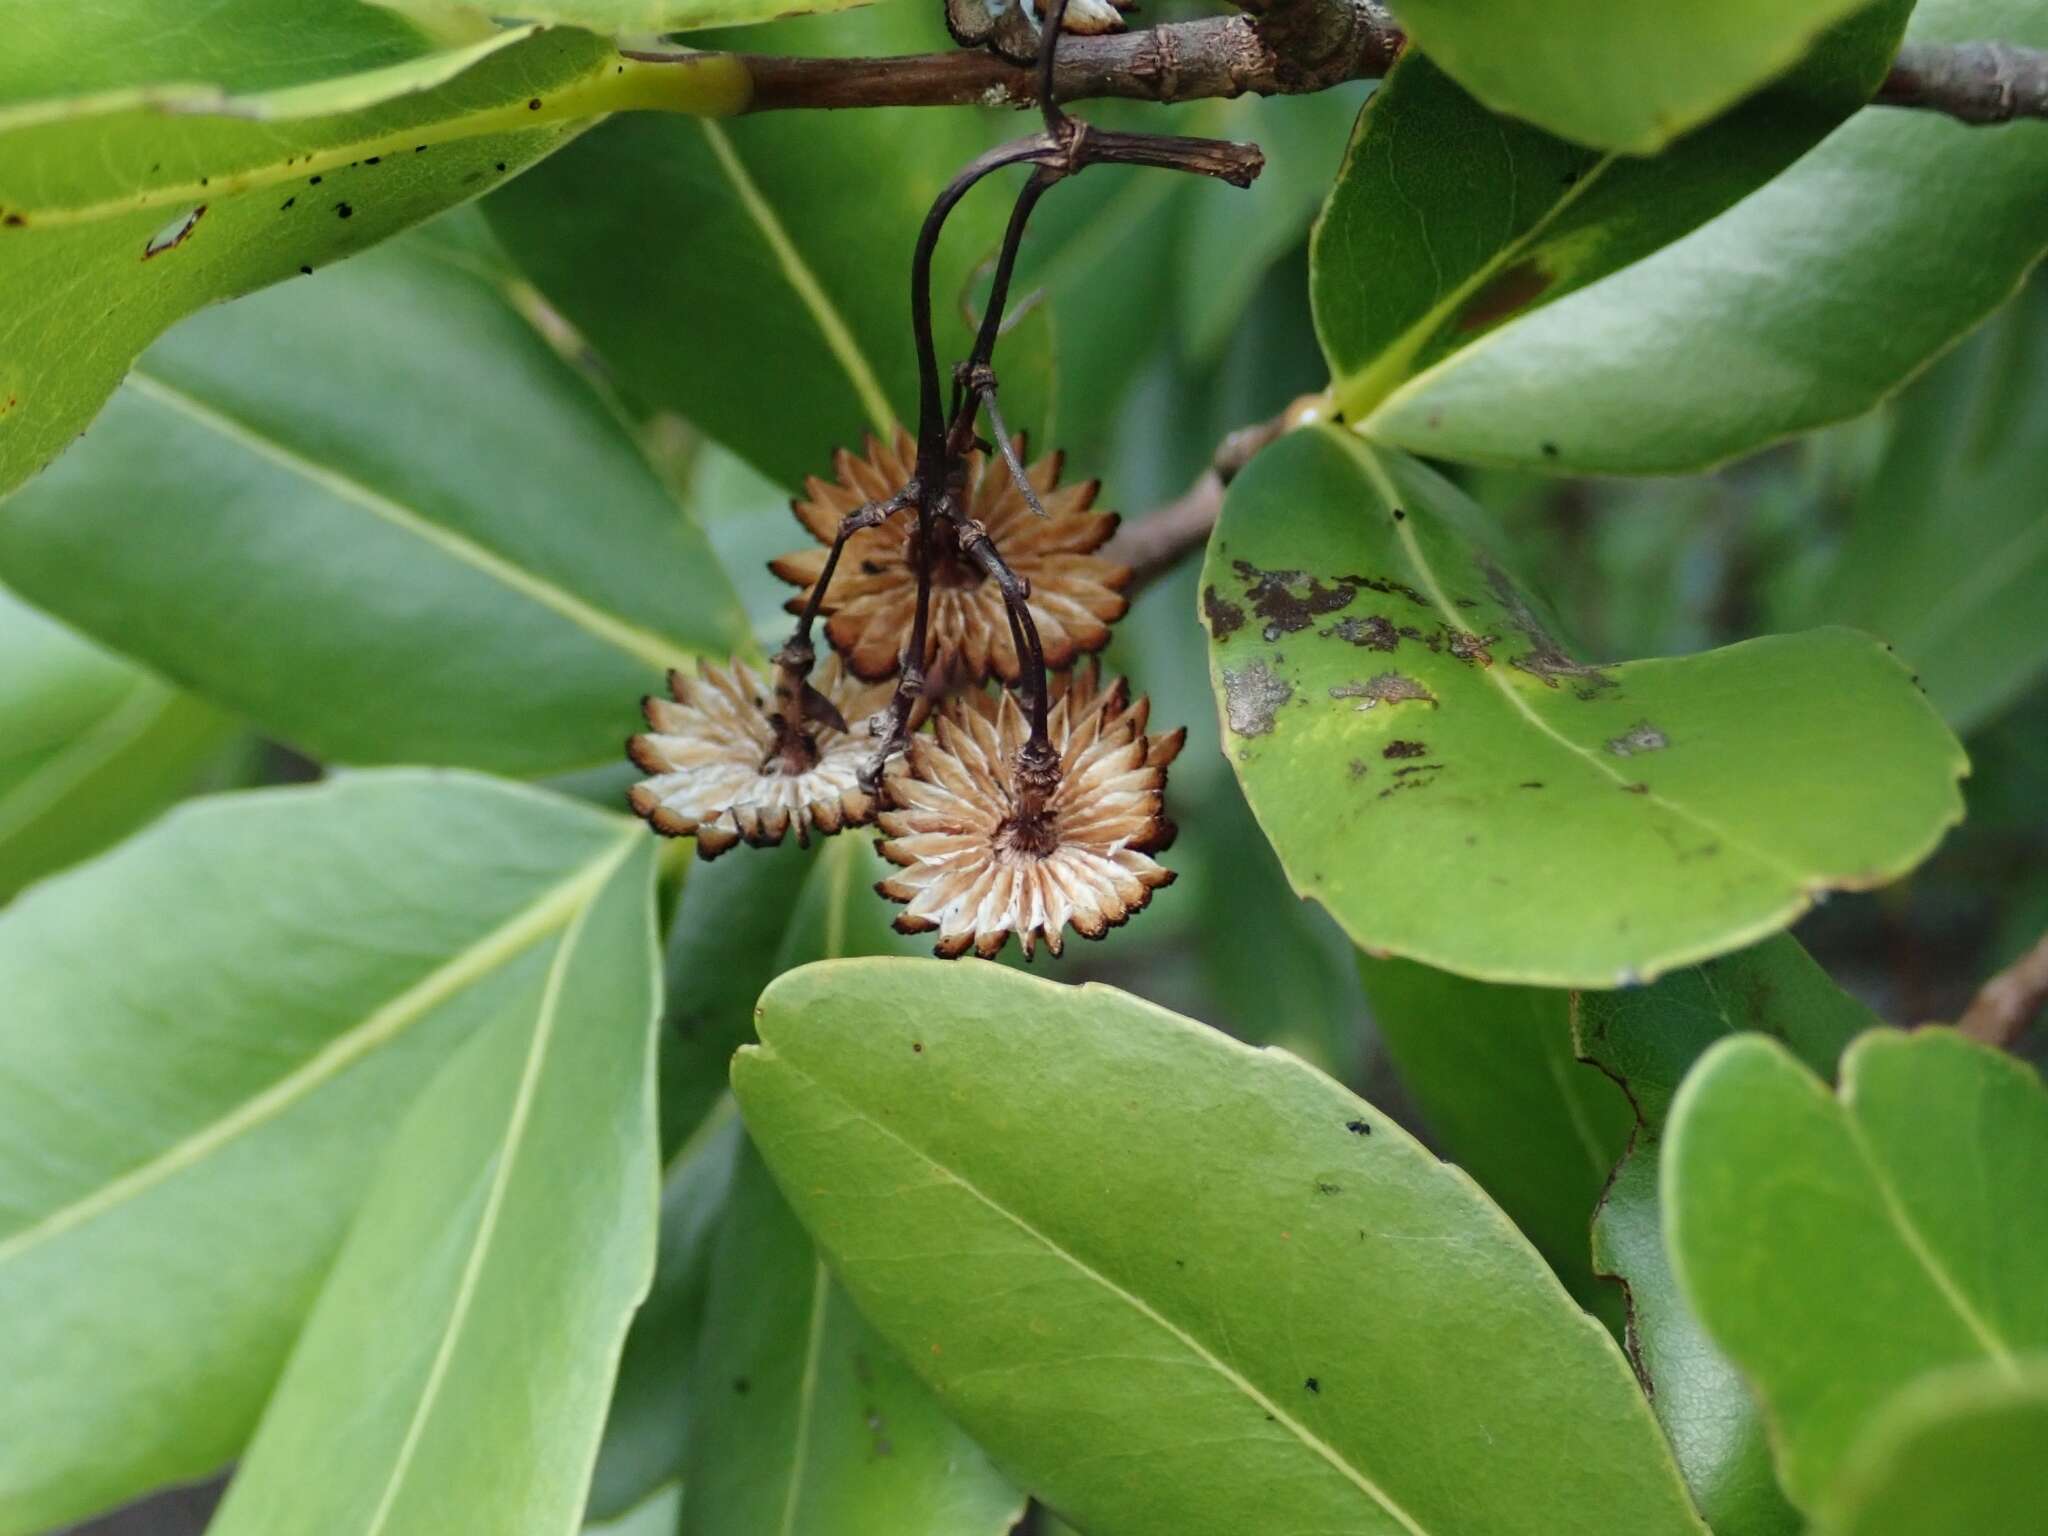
point(1289, 49)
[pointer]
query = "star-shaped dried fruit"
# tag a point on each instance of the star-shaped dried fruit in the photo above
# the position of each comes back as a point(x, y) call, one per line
point(1075, 593)
point(979, 861)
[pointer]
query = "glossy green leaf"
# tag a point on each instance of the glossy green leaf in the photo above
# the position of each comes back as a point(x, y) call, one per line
point(648, 1425)
point(811, 1425)
point(1174, 1284)
point(1958, 1451)
point(438, 545)
point(1448, 222)
point(90, 747)
point(752, 275)
point(293, 966)
point(1947, 556)
point(1921, 1234)
point(1440, 773)
point(454, 1372)
point(1806, 303)
point(1503, 1093)
point(1645, 1039)
point(1622, 77)
point(149, 166)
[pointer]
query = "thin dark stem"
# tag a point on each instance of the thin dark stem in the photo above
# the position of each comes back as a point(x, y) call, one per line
point(1006, 264)
point(1048, 91)
point(931, 420)
point(871, 515)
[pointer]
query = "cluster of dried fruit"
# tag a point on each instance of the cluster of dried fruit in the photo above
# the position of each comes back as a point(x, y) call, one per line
point(990, 838)
point(1028, 808)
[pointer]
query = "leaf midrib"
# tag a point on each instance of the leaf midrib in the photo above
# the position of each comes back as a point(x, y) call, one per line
point(838, 335)
point(561, 903)
point(128, 722)
point(1363, 392)
point(1271, 1407)
point(642, 646)
point(494, 1199)
point(1915, 1243)
point(1448, 613)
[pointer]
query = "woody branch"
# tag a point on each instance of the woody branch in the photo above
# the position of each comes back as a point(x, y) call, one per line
point(1290, 47)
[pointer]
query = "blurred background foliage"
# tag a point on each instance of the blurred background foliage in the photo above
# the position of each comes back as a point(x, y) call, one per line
point(1170, 312)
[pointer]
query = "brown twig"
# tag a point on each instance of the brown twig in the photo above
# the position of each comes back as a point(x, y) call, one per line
point(1975, 82)
point(2009, 1002)
point(1310, 45)
point(1153, 544)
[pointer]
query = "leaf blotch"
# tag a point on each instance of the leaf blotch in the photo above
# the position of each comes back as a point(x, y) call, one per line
point(1383, 688)
point(1640, 737)
point(1515, 289)
point(1225, 617)
point(1251, 696)
point(174, 234)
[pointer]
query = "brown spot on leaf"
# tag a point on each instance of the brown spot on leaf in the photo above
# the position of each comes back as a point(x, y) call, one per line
point(1395, 749)
point(1385, 688)
point(1640, 737)
point(1515, 289)
point(1544, 659)
point(1274, 597)
point(174, 234)
point(1374, 633)
point(1225, 617)
point(1251, 695)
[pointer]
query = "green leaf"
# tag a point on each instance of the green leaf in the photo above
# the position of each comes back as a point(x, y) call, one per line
point(437, 545)
point(1957, 1451)
point(1628, 78)
point(1494, 1073)
point(1915, 1198)
point(648, 1425)
point(1947, 555)
point(811, 1425)
point(157, 166)
point(244, 1063)
point(1821, 294)
point(1435, 769)
point(751, 275)
point(1448, 223)
point(90, 747)
point(1129, 1254)
point(1645, 1039)
point(454, 1372)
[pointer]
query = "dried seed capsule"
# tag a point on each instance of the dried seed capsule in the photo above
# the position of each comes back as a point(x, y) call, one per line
point(1075, 593)
point(991, 843)
point(732, 757)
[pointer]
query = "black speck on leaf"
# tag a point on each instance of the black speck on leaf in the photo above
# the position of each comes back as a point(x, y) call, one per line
point(1358, 1127)
point(344, 210)
point(1550, 450)
point(314, 182)
point(501, 165)
point(741, 1385)
point(1313, 1385)
point(306, 271)
point(533, 105)
point(918, 1045)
